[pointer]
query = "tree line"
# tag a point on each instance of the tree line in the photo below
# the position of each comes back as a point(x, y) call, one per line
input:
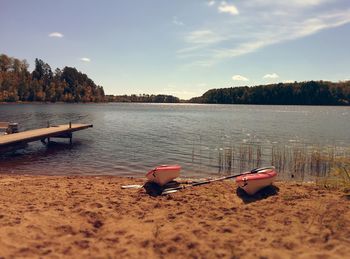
point(43, 84)
point(297, 93)
point(17, 83)
point(144, 98)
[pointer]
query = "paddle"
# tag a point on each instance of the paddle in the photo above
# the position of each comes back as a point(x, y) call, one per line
point(254, 171)
point(132, 186)
point(139, 186)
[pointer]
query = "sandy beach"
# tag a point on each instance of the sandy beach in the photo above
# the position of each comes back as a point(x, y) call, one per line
point(92, 217)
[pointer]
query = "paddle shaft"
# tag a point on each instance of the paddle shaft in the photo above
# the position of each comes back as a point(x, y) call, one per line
point(254, 171)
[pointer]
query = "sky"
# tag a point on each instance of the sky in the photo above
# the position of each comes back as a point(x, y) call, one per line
point(182, 47)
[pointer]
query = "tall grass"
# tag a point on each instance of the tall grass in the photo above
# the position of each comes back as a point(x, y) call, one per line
point(299, 162)
point(303, 162)
point(239, 157)
point(339, 176)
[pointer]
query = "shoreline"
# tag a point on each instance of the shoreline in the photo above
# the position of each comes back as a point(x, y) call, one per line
point(182, 102)
point(75, 216)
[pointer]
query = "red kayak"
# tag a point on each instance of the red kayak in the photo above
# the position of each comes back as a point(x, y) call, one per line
point(251, 183)
point(163, 174)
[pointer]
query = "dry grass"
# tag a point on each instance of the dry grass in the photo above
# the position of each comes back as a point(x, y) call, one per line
point(339, 177)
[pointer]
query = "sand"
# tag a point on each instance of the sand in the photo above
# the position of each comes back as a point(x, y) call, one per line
point(92, 217)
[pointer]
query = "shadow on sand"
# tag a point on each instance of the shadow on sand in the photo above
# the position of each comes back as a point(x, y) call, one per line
point(154, 189)
point(260, 195)
point(347, 196)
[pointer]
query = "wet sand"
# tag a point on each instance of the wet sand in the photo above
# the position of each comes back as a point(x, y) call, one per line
point(92, 217)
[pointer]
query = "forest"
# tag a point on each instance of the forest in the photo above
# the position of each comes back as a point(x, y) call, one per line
point(43, 84)
point(144, 98)
point(18, 84)
point(297, 93)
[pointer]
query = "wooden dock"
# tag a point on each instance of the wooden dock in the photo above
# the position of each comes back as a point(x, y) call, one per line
point(59, 131)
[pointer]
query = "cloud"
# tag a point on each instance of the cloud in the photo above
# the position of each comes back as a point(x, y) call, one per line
point(271, 76)
point(260, 27)
point(241, 49)
point(176, 21)
point(211, 3)
point(179, 91)
point(203, 37)
point(289, 3)
point(239, 78)
point(278, 34)
point(226, 8)
point(56, 35)
point(85, 59)
point(288, 81)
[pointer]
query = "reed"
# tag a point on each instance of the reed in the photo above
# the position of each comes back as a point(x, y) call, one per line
point(297, 161)
point(239, 158)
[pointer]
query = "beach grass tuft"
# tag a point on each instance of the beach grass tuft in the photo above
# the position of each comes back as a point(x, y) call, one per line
point(339, 177)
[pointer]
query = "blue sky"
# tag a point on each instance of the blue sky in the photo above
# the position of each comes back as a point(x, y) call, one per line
point(182, 47)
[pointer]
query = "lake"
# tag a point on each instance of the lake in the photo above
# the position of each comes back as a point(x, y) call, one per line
point(206, 140)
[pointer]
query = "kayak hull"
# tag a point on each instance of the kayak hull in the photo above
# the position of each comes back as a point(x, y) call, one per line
point(163, 174)
point(252, 183)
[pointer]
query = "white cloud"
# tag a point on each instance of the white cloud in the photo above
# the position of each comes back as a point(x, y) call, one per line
point(289, 3)
point(271, 76)
point(179, 91)
point(85, 59)
point(239, 78)
point(288, 81)
point(176, 21)
point(189, 49)
point(56, 35)
point(211, 3)
point(294, 31)
point(307, 2)
point(257, 30)
point(241, 49)
point(203, 37)
point(226, 8)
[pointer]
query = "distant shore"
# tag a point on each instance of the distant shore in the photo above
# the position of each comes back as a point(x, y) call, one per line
point(181, 102)
point(20, 102)
point(75, 216)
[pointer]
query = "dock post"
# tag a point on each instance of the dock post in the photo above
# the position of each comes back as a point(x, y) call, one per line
point(71, 134)
point(48, 139)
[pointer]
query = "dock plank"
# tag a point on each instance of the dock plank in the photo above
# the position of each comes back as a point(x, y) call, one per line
point(38, 134)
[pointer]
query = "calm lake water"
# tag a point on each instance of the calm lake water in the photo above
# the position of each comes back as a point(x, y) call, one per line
point(130, 139)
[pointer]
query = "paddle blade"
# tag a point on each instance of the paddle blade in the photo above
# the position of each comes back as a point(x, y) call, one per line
point(256, 170)
point(168, 192)
point(132, 186)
